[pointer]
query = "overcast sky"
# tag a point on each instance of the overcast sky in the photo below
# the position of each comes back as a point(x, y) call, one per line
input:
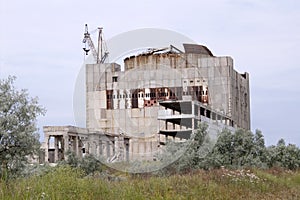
point(40, 43)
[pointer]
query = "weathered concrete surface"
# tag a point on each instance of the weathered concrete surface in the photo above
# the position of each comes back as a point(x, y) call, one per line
point(130, 108)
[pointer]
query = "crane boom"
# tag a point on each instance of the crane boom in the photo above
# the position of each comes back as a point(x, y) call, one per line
point(99, 58)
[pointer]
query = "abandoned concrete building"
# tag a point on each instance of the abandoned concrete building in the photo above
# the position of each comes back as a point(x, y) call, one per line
point(159, 95)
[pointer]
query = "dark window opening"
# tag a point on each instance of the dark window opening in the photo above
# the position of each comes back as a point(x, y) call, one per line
point(208, 113)
point(115, 79)
point(202, 111)
point(244, 75)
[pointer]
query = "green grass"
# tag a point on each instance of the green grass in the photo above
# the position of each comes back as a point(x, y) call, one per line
point(66, 183)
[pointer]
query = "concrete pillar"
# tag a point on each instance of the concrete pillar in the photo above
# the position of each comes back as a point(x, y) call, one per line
point(97, 150)
point(47, 137)
point(76, 145)
point(116, 146)
point(66, 143)
point(122, 148)
point(113, 149)
point(193, 125)
point(134, 149)
point(94, 148)
point(88, 148)
point(130, 149)
point(151, 149)
point(107, 149)
point(100, 148)
point(56, 149)
point(80, 146)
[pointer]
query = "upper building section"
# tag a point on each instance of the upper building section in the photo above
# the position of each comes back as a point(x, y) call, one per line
point(170, 56)
point(197, 49)
point(167, 74)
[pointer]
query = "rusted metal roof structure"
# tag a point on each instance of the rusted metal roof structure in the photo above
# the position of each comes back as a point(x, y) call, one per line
point(197, 49)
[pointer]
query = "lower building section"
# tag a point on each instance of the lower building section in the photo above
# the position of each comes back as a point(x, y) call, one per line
point(59, 140)
point(177, 120)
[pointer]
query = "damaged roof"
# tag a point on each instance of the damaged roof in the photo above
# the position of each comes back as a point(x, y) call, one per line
point(197, 49)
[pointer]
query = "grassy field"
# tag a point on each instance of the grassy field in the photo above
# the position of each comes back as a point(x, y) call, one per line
point(66, 183)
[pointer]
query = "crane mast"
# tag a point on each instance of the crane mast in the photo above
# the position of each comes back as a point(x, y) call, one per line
point(97, 54)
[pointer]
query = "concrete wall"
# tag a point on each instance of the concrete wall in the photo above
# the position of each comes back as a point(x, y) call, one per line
point(110, 106)
point(228, 91)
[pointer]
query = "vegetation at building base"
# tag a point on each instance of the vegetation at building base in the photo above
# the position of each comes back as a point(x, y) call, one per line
point(232, 150)
point(88, 164)
point(240, 167)
point(65, 182)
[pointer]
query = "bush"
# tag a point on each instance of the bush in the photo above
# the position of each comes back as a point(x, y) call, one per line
point(88, 164)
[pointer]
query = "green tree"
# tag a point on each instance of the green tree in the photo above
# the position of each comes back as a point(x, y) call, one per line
point(282, 155)
point(191, 154)
point(199, 149)
point(224, 149)
point(239, 149)
point(18, 133)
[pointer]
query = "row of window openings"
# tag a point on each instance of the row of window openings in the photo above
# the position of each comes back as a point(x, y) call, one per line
point(163, 94)
point(115, 79)
point(191, 81)
point(197, 93)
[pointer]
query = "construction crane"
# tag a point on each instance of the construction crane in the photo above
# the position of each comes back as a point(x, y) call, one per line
point(98, 55)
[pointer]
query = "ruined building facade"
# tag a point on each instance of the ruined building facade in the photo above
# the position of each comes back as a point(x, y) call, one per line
point(162, 94)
